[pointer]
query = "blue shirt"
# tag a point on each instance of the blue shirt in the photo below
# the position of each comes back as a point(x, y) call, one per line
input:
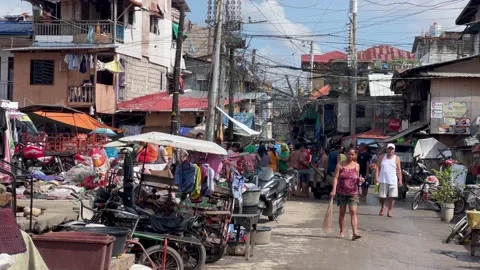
point(332, 161)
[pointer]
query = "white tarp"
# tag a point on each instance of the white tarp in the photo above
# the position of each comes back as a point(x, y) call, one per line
point(247, 130)
point(174, 141)
point(430, 149)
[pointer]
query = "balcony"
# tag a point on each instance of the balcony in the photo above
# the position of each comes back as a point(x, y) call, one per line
point(6, 90)
point(80, 96)
point(78, 32)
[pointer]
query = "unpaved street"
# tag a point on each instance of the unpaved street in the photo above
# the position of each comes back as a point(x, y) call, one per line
point(409, 240)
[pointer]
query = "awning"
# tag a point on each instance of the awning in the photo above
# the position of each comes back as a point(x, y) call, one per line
point(247, 130)
point(175, 31)
point(79, 120)
point(414, 127)
point(430, 149)
point(450, 74)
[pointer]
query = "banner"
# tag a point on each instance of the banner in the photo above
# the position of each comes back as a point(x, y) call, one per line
point(455, 109)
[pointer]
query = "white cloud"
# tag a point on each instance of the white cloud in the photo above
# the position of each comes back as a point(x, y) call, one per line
point(14, 7)
point(278, 24)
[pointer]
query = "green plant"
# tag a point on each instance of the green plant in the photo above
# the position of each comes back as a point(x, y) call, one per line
point(447, 192)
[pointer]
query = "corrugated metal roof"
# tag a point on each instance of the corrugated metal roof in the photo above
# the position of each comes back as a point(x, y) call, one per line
point(450, 74)
point(379, 85)
point(384, 53)
point(325, 58)
point(237, 96)
point(8, 28)
point(55, 46)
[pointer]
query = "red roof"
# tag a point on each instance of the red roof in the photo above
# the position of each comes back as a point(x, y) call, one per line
point(325, 58)
point(384, 53)
point(162, 102)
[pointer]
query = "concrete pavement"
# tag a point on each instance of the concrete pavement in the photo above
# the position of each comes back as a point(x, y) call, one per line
point(410, 240)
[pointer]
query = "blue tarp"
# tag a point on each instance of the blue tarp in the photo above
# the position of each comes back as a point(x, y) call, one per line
point(184, 131)
point(8, 28)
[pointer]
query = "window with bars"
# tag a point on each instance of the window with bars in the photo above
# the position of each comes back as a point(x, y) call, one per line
point(361, 111)
point(42, 72)
point(154, 25)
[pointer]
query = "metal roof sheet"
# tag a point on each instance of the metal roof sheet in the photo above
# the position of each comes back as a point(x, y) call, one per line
point(450, 74)
point(55, 46)
point(379, 85)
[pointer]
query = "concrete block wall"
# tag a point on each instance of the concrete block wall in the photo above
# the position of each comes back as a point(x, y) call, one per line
point(143, 77)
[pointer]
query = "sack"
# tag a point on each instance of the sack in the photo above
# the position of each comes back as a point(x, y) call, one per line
point(376, 190)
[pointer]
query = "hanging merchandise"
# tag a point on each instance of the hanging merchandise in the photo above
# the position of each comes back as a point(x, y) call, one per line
point(196, 195)
point(208, 186)
point(237, 186)
point(72, 61)
point(91, 32)
point(185, 177)
point(83, 65)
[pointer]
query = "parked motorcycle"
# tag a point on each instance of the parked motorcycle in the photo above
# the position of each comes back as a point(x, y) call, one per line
point(275, 189)
point(33, 155)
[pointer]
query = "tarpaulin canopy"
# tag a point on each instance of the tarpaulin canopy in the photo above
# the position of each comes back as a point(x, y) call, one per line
point(430, 149)
point(243, 127)
point(175, 31)
point(78, 120)
point(175, 141)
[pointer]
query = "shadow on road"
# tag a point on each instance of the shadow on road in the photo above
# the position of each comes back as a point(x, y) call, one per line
point(460, 256)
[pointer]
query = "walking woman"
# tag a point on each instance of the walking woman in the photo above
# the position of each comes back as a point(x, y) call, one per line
point(263, 159)
point(272, 153)
point(283, 157)
point(345, 188)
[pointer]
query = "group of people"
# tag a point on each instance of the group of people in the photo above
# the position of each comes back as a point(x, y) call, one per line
point(349, 176)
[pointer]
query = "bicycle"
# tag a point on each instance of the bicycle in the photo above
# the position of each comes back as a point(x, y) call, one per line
point(461, 229)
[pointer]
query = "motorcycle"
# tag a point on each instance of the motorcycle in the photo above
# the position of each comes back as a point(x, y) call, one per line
point(323, 186)
point(417, 173)
point(275, 190)
point(34, 156)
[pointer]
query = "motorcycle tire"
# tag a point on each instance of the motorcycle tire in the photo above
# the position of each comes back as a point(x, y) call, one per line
point(417, 199)
point(215, 253)
point(455, 231)
point(194, 256)
point(174, 261)
point(272, 218)
point(460, 206)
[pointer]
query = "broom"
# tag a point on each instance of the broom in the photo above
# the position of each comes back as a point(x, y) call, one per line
point(327, 220)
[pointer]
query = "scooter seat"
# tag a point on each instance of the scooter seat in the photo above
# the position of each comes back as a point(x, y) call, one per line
point(168, 225)
point(59, 154)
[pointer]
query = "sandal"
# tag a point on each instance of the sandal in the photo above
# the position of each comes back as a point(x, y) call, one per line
point(356, 236)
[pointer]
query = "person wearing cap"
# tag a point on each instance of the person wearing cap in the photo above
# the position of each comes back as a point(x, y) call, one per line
point(389, 175)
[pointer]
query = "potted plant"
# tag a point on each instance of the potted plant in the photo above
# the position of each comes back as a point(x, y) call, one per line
point(446, 195)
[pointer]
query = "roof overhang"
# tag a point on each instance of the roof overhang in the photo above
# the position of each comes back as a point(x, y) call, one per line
point(467, 16)
point(60, 47)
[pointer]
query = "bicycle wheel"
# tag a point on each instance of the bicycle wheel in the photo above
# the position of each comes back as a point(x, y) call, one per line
point(173, 260)
point(466, 236)
point(215, 253)
point(455, 230)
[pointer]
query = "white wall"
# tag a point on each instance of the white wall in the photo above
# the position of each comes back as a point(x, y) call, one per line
point(132, 45)
point(160, 45)
point(4, 65)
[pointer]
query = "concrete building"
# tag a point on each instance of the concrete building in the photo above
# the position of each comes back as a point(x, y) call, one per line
point(443, 97)
point(14, 32)
point(435, 49)
point(91, 54)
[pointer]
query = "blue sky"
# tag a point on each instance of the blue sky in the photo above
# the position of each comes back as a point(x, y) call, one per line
point(393, 22)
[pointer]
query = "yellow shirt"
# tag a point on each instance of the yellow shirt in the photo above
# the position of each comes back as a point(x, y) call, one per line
point(273, 161)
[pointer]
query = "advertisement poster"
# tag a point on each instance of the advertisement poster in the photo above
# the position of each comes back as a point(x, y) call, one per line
point(446, 129)
point(437, 114)
point(436, 106)
point(463, 122)
point(462, 130)
point(449, 121)
point(454, 109)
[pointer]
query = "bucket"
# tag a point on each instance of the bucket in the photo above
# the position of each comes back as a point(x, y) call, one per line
point(263, 235)
point(120, 233)
point(250, 197)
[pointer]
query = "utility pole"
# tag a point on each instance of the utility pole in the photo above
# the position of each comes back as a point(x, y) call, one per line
point(353, 51)
point(311, 66)
point(212, 94)
point(221, 92)
point(175, 120)
point(293, 93)
point(254, 60)
point(231, 91)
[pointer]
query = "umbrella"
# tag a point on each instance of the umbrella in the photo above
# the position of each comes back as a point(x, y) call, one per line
point(104, 131)
point(175, 141)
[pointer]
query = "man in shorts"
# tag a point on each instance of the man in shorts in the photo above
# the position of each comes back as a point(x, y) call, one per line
point(389, 175)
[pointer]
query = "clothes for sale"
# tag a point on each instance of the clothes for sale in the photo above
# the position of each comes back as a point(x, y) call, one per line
point(150, 155)
point(196, 195)
point(237, 186)
point(185, 177)
point(209, 185)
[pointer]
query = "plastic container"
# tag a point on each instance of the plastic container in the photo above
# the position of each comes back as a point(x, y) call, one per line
point(75, 250)
point(120, 233)
point(247, 210)
point(263, 236)
point(250, 197)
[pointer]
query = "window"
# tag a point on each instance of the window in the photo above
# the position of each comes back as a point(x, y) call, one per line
point(41, 72)
point(360, 111)
point(131, 17)
point(154, 25)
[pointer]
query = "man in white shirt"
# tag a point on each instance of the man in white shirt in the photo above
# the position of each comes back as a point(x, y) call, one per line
point(389, 175)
